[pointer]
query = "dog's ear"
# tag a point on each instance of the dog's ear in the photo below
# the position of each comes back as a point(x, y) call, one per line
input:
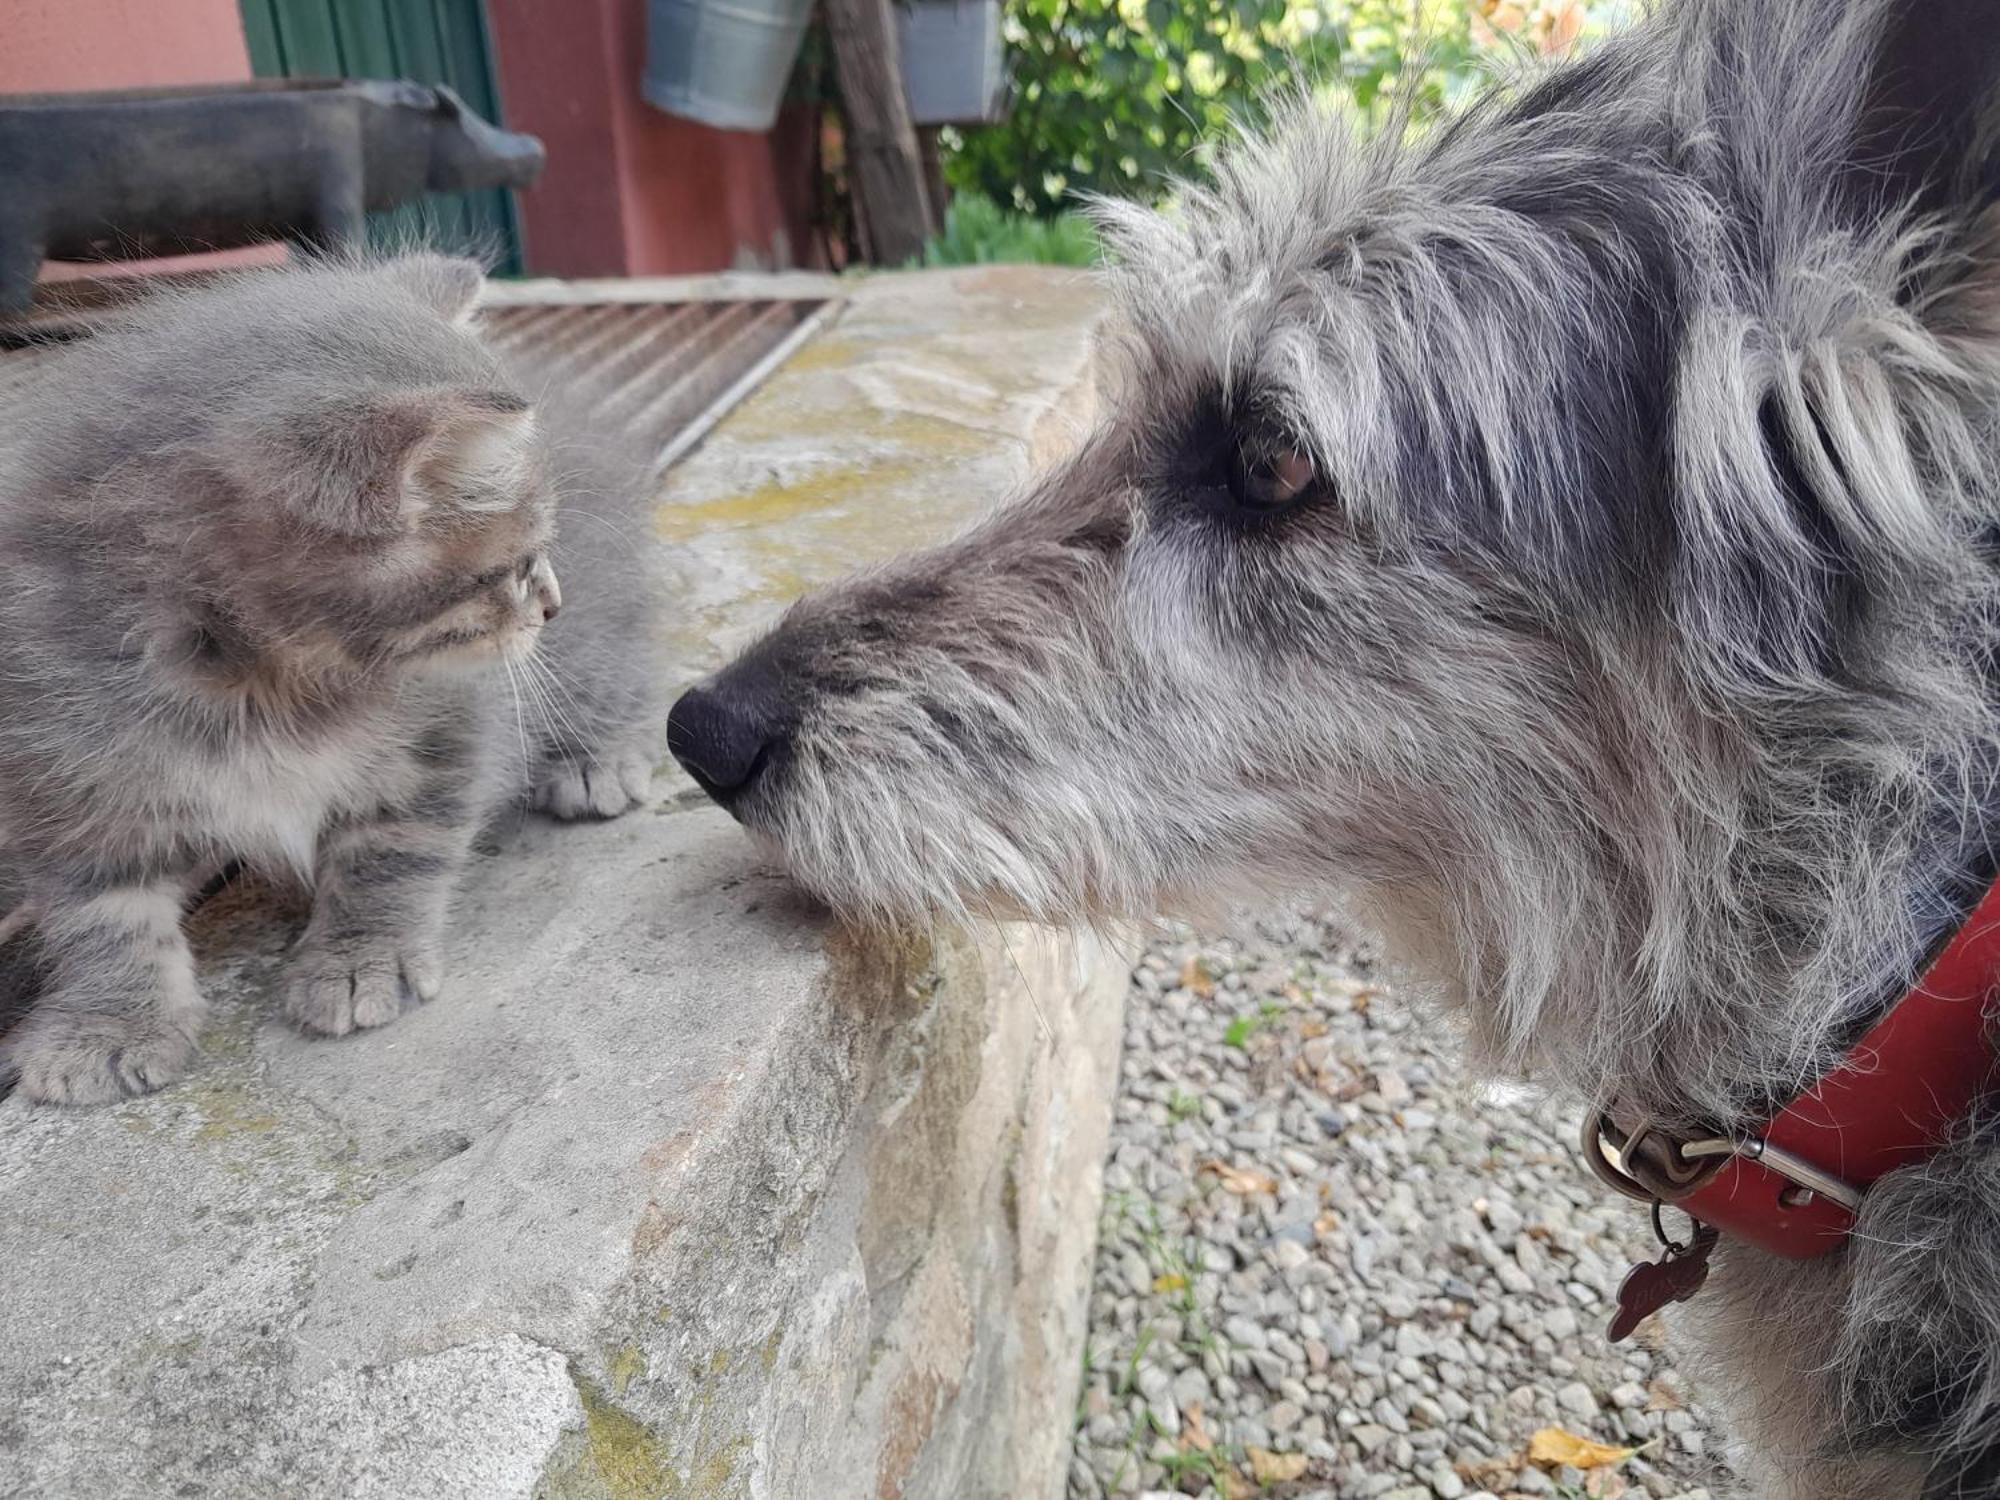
point(1929, 131)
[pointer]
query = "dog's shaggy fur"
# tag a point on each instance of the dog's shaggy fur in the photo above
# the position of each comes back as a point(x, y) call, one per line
point(1628, 651)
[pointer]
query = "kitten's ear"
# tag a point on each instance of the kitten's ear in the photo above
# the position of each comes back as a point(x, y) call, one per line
point(1930, 121)
point(447, 285)
point(371, 465)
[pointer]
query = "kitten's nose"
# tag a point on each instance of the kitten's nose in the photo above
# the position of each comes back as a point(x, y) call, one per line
point(548, 593)
point(725, 730)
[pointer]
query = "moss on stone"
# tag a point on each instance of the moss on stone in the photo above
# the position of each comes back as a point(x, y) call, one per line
point(626, 1365)
point(620, 1458)
point(779, 502)
point(715, 1477)
point(229, 1112)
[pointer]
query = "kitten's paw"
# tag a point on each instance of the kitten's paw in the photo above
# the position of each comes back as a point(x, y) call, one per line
point(337, 990)
point(61, 1057)
point(601, 788)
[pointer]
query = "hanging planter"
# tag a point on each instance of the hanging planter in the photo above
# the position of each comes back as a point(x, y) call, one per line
point(954, 62)
point(722, 62)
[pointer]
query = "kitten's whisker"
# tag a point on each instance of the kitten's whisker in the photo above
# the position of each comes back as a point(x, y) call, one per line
point(520, 724)
point(555, 682)
point(558, 691)
point(608, 524)
point(545, 710)
point(562, 728)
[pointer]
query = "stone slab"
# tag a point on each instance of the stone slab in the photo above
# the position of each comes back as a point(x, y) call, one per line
point(679, 1190)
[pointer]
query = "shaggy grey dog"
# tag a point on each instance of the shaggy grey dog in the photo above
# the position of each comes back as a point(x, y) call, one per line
point(279, 583)
point(1571, 531)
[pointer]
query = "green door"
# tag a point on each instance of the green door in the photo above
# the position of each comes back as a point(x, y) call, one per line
point(425, 41)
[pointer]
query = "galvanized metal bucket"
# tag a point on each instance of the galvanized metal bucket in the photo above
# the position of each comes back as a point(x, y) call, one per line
point(722, 62)
point(954, 65)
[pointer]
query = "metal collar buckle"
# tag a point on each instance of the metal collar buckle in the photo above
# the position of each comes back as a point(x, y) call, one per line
point(1642, 1163)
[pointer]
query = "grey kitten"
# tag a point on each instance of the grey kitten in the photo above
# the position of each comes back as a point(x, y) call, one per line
point(278, 571)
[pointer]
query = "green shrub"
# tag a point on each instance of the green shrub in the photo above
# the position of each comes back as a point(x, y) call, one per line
point(1120, 96)
point(978, 231)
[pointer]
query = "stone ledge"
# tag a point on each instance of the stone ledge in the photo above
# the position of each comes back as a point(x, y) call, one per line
point(678, 1191)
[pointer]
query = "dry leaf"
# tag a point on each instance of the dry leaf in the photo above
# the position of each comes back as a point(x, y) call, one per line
point(1195, 977)
point(1310, 1029)
point(1239, 1180)
point(1552, 1447)
point(1235, 1486)
point(1604, 1484)
point(1194, 1431)
point(1486, 1473)
point(1170, 1281)
point(1267, 1467)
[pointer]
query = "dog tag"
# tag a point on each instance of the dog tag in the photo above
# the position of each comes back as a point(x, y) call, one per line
point(1674, 1277)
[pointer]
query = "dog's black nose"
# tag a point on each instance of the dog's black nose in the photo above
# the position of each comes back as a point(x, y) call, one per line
point(724, 730)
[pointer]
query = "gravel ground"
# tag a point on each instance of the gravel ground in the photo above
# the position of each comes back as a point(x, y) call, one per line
point(1331, 1267)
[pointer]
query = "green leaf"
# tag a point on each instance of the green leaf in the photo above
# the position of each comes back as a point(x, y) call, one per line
point(1116, 101)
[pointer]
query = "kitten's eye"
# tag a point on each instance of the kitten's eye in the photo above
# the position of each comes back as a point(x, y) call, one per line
point(1271, 480)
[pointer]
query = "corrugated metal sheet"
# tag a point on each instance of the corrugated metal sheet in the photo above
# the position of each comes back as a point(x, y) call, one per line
point(664, 372)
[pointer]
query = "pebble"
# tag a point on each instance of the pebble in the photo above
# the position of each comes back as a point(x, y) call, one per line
point(1417, 1283)
point(1578, 1400)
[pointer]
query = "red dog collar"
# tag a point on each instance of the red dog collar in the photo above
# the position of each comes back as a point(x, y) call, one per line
point(1892, 1101)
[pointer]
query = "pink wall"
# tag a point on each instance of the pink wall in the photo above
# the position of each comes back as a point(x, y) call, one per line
point(109, 44)
point(628, 189)
point(53, 46)
point(552, 85)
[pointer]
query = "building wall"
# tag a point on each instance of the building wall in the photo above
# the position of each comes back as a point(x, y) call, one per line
point(56, 45)
point(629, 189)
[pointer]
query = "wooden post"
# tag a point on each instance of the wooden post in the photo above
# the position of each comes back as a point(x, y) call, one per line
point(934, 183)
point(883, 161)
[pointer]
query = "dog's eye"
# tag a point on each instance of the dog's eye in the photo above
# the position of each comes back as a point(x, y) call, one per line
point(1270, 480)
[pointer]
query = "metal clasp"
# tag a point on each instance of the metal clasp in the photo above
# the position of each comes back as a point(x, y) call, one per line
point(1648, 1166)
point(1795, 1169)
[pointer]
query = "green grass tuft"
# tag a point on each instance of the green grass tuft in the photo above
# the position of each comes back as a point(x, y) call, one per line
point(1239, 1031)
point(979, 232)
